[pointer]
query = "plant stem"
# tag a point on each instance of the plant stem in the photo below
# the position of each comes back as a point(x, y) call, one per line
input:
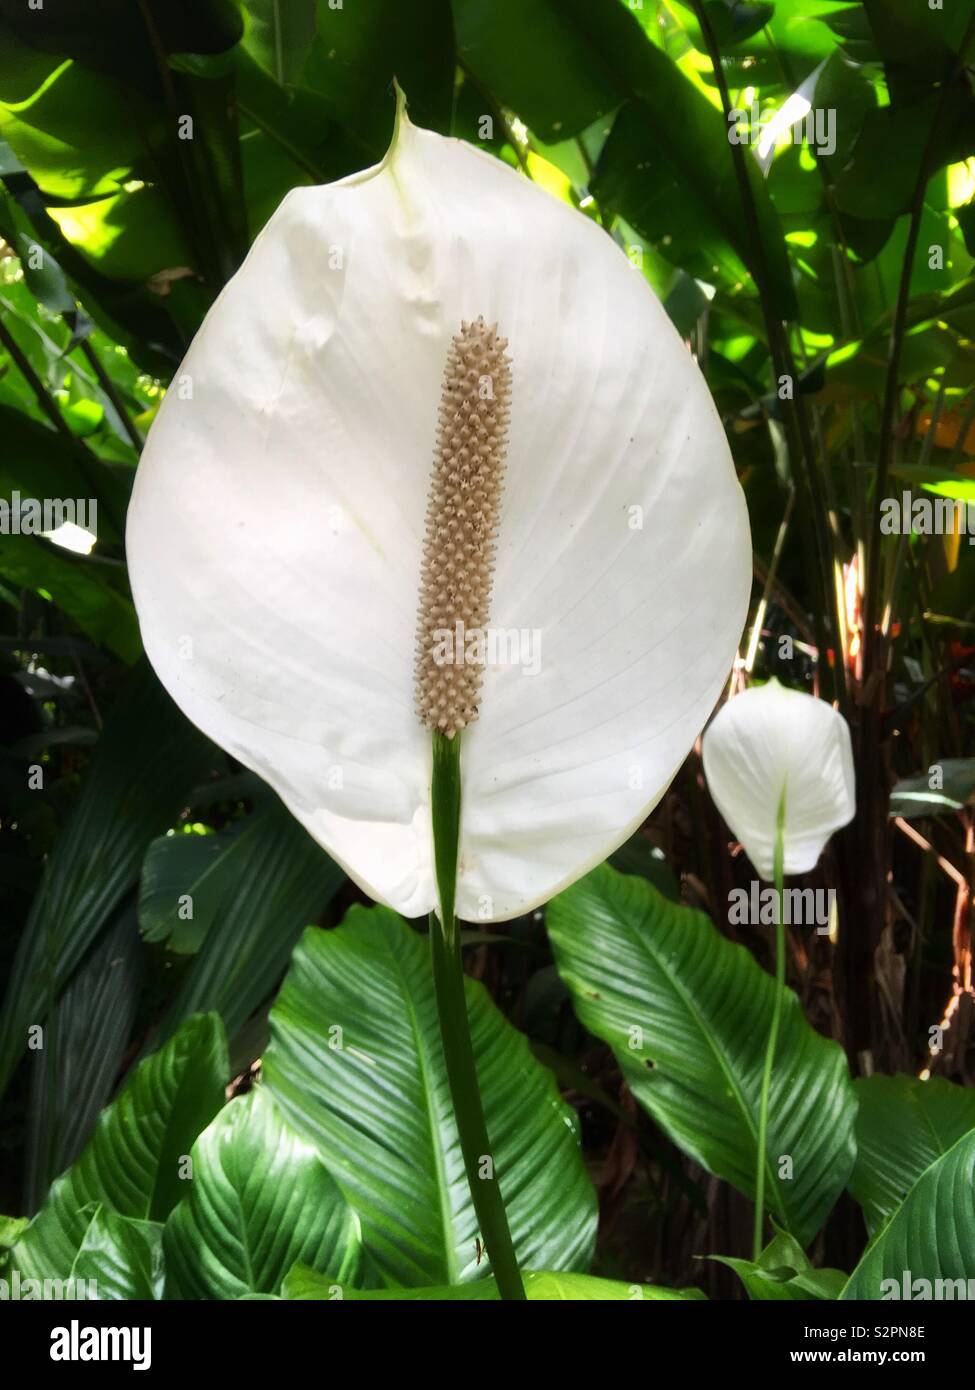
point(448, 976)
point(773, 1032)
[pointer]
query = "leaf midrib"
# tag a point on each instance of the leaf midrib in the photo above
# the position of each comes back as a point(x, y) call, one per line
point(438, 1156)
point(687, 999)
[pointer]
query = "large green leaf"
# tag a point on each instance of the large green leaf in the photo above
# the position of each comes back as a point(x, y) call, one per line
point(250, 904)
point(304, 1283)
point(122, 1257)
point(687, 1014)
point(147, 759)
point(87, 1033)
point(667, 166)
point(500, 40)
point(892, 148)
point(930, 1237)
point(133, 1164)
point(954, 788)
point(356, 1064)
point(918, 42)
point(131, 315)
point(358, 51)
point(259, 1202)
point(903, 1126)
point(278, 35)
point(782, 1273)
point(169, 906)
point(66, 126)
point(125, 40)
point(76, 585)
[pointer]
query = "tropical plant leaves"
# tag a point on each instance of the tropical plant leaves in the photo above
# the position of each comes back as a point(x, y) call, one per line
point(131, 1165)
point(260, 1201)
point(913, 797)
point(168, 894)
point(147, 759)
point(903, 1126)
point(929, 1239)
point(356, 1064)
point(361, 48)
point(86, 1035)
point(77, 586)
point(667, 165)
point(278, 35)
point(304, 1283)
point(250, 903)
point(687, 1014)
point(122, 1257)
point(782, 1273)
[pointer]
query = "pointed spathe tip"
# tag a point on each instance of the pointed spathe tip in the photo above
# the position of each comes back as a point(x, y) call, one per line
point(402, 119)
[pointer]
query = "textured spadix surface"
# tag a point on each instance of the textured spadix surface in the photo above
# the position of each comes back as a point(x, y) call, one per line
point(769, 740)
point(277, 525)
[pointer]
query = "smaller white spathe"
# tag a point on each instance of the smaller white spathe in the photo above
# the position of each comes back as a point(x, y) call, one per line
point(770, 740)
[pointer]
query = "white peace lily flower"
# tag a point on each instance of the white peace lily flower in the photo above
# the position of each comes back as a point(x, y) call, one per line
point(769, 742)
point(277, 527)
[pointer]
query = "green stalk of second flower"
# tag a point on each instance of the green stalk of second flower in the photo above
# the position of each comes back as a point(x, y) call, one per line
point(778, 870)
point(448, 975)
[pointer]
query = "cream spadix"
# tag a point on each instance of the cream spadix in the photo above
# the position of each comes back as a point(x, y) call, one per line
point(771, 745)
point(462, 522)
point(277, 528)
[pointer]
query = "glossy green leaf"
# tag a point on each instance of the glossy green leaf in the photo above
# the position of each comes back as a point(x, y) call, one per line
point(687, 1014)
point(966, 221)
point(499, 42)
point(76, 586)
point(123, 40)
point(87, 1032)
point(133, 1163)
point(954, 788)
point(11, 1229)
point(358, 51)
point(666, 167)
point(122, 1257)
point(43, 275)
point(886, 160)
point(734, 21)
point(938, 481)
point(260, 1200)
point(250, 905)
point(42, 463)
point(903, 1126)
point(918, 42)
point(147, 759)
point(168, 893)
point(783, 1273)
point(549, 1288)
point(356, 1064)
point(133, 316)
point(927, 1248)
point(68, 127)
point(278, 34)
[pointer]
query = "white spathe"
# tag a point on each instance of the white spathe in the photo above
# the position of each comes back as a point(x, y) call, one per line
point(769, 740)
point(275, 529)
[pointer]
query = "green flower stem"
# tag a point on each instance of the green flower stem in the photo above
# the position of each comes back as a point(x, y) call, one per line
point(448, 975)
point(773, 1032)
